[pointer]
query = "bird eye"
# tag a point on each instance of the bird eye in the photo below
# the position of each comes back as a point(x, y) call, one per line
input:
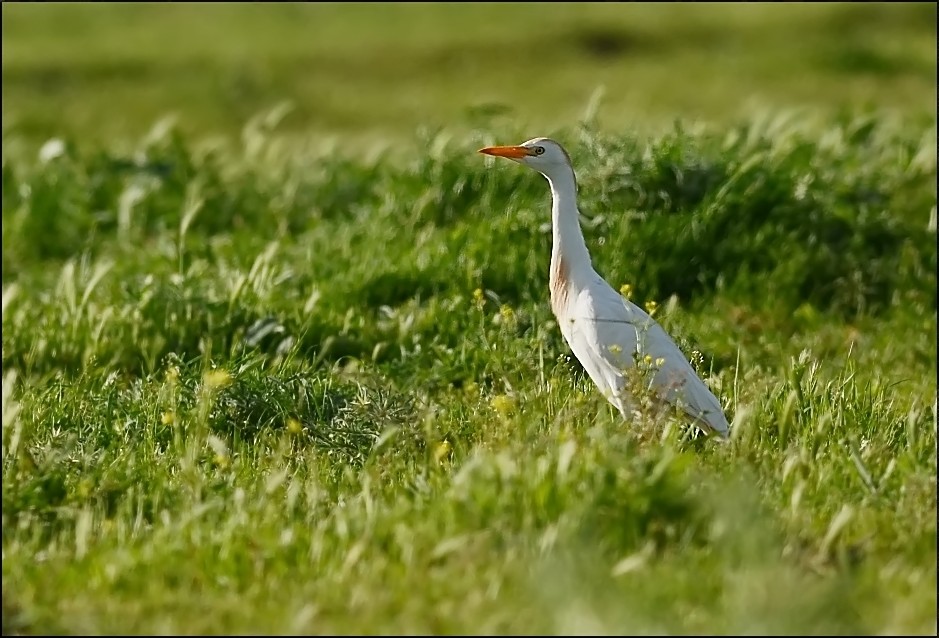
point(539, 150)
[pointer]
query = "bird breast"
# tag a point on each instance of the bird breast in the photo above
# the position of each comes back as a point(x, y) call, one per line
point(560, 285)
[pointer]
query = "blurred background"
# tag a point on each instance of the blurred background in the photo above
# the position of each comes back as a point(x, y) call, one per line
point(369, 72)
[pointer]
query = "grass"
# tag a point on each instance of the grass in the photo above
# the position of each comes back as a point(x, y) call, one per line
point(370, 74)
point(251, 385)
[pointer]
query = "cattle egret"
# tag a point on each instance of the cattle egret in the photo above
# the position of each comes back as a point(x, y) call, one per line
point(606, 332)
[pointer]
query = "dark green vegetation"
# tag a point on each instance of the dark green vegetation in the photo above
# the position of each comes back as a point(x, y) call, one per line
point(253, 386)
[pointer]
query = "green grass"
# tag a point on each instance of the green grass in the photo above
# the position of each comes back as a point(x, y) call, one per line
point(370, 74)
point(251, 384)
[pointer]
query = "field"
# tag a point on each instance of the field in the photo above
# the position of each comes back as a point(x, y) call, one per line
point(278, 354)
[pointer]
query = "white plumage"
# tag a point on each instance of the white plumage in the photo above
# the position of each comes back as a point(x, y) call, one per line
point(606, 332)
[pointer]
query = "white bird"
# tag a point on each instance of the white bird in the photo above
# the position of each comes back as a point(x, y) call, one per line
point(606, 332)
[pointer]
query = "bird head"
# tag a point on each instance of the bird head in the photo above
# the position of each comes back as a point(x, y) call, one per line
point(541, 153)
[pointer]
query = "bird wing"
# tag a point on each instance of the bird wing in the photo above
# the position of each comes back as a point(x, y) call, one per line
point(609, 330)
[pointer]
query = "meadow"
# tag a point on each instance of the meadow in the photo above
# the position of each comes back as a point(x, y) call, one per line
point(278, 355)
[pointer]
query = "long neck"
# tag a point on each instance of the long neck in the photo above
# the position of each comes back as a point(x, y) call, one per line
point(569, 256)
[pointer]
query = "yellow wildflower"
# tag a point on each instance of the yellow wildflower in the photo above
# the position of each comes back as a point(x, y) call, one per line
point(651, 307)
point(626, 290)
point(294, 426)
point(218, 378)
point(442, 451)
point(502, 404)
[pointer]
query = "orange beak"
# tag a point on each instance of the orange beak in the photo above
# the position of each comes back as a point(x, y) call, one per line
point(511, 152)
